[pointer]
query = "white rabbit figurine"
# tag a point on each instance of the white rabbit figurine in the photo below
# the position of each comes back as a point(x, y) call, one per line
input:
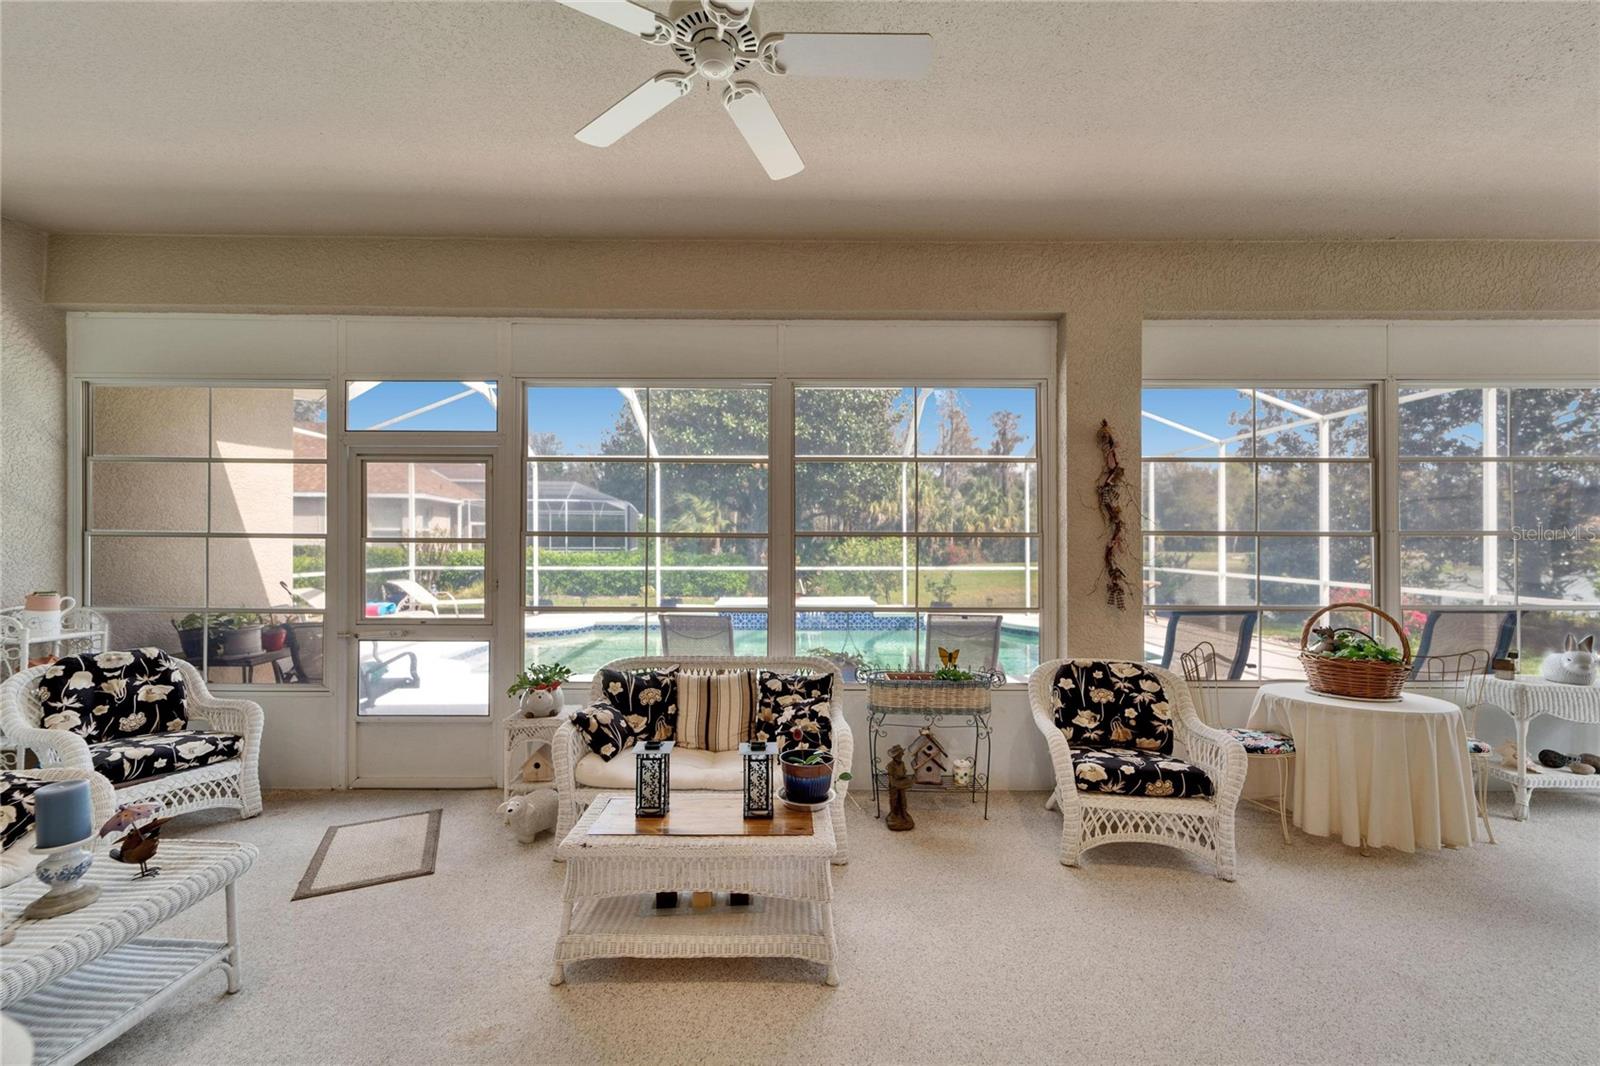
point(1573, 665)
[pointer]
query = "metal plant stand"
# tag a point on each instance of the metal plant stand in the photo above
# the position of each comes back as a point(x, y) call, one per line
point(881, 720)
point(910, 702)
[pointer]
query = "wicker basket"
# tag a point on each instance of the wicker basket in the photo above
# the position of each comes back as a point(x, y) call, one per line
point(1361, 679)
point(898, 690)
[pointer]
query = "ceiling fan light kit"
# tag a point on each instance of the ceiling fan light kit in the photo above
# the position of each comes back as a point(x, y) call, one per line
point(717, 39)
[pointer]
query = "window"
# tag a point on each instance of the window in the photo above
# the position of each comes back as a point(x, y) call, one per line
point(205, 525)
point(642, 502)
point(425, 539)
point(1257, 509)
point(914, 504)
point(1499, 517)
point(422, 406)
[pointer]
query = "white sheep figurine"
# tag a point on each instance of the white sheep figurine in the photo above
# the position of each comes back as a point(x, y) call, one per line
point(530, 814)
point(1573, 665)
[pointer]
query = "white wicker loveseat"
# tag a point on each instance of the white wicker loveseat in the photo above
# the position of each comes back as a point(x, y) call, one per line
point(1172, 810)
point(232, 783)
point(582, 775)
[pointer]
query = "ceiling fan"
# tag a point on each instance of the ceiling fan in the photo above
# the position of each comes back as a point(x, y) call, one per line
point(716, 40)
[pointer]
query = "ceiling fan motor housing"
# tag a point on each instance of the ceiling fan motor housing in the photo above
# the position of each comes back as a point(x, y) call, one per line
point(716, 53)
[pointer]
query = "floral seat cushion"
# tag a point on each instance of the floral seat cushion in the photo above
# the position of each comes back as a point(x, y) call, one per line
point(110, 694)
point(1111, 704)
point(1478, 747)
point(16, 805)
point(1263, 742)
point(1126, 772)
point(126, 759)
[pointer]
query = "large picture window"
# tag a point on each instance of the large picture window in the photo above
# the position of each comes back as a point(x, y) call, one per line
point(1257, 508)
point(645, 522)
point(916, 526)
point(1499, 492)
point(205, 525)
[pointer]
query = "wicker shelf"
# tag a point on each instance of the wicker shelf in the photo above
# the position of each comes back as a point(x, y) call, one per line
point(623, 926)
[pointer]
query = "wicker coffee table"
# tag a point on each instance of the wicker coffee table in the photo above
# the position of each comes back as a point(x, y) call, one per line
point(608, 902)
point(78, 981)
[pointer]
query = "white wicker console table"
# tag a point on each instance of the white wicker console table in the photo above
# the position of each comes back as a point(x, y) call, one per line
point(1525, 699)
point(79, 981)
point(611, 881)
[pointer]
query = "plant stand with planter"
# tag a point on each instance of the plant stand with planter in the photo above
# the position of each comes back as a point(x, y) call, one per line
point(911, 701)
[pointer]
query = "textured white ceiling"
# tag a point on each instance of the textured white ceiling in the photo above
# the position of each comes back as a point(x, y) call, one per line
point(1041, 120)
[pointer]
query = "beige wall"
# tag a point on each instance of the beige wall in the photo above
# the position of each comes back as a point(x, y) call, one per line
point(1100, 292)
point(33, 421)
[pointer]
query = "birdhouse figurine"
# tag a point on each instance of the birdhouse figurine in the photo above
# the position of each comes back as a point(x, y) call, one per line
point(929, 759)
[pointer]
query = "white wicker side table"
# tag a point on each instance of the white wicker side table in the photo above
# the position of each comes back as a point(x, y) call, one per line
point(1525, 699)
point(523, 736)
point(79, 981)
point(612, 880)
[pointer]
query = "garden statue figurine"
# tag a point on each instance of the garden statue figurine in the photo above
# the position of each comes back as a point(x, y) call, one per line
point(900, 781)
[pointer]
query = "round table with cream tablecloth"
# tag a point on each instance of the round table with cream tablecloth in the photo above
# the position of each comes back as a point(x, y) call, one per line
point(1374, 774)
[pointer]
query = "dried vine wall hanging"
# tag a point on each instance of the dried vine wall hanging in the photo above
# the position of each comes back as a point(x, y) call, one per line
point(1111, 491)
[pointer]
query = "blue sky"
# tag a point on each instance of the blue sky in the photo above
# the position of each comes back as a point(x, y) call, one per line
point(389, 399)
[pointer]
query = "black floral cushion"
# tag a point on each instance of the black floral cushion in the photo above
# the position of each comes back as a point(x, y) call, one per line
point(777, 693)
point(806, 725)
point(1135, 773)
point(647, 699)
point(125, 759)
point(110, 694)
point(1112, 704)
point(16, 805)
point(605, 729)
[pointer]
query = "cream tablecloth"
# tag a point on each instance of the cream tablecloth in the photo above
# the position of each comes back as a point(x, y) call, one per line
point(1375, 774)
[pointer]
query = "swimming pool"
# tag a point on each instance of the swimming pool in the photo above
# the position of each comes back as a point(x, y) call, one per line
point(586, 644)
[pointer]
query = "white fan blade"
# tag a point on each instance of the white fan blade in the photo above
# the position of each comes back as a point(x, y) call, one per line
point(639, 21)
point(762, 131)
point(849, 55)
point(631, 111)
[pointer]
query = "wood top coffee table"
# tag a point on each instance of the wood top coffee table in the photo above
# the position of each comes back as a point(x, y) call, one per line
point(613, 874)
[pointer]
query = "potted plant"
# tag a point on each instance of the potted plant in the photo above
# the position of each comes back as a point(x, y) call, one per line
point(240, 633)
point(808, 775)
point(274, 634)
point(538, 688)
point(942, 591)
point(191, 636)
point(850, 664)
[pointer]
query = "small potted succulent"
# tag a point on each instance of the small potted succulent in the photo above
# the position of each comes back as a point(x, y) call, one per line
point(808, 775)
point(538, 689)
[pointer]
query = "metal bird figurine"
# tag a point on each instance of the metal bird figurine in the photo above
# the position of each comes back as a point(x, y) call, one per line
point(139, 846)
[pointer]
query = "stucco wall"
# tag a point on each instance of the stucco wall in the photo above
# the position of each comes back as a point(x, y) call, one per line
point(33, 422)
point(1101, 293)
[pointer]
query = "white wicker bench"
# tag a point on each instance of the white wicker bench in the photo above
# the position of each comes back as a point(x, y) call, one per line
point(570, 747)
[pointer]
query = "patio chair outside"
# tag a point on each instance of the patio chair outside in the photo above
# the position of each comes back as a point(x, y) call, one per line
point(975, 636)
point(696, 634)
point(1450, 631)
point(1228, 632)
point(417, 600)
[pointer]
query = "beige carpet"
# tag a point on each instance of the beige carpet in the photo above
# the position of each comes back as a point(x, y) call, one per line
point(961, 942)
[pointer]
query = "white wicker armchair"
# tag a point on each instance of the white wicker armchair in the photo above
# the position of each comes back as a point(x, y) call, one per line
point(569, 745)
point(1203, 825)
point(234, 783)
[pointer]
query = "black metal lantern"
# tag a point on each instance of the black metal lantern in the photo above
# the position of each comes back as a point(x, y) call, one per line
point(758, 758)
point(652, 778)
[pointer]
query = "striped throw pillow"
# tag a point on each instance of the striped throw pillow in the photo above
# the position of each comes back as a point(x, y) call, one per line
point(728, 710)
point(694, 687)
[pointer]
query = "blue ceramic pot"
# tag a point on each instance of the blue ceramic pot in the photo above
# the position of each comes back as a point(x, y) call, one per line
point(806, 784)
